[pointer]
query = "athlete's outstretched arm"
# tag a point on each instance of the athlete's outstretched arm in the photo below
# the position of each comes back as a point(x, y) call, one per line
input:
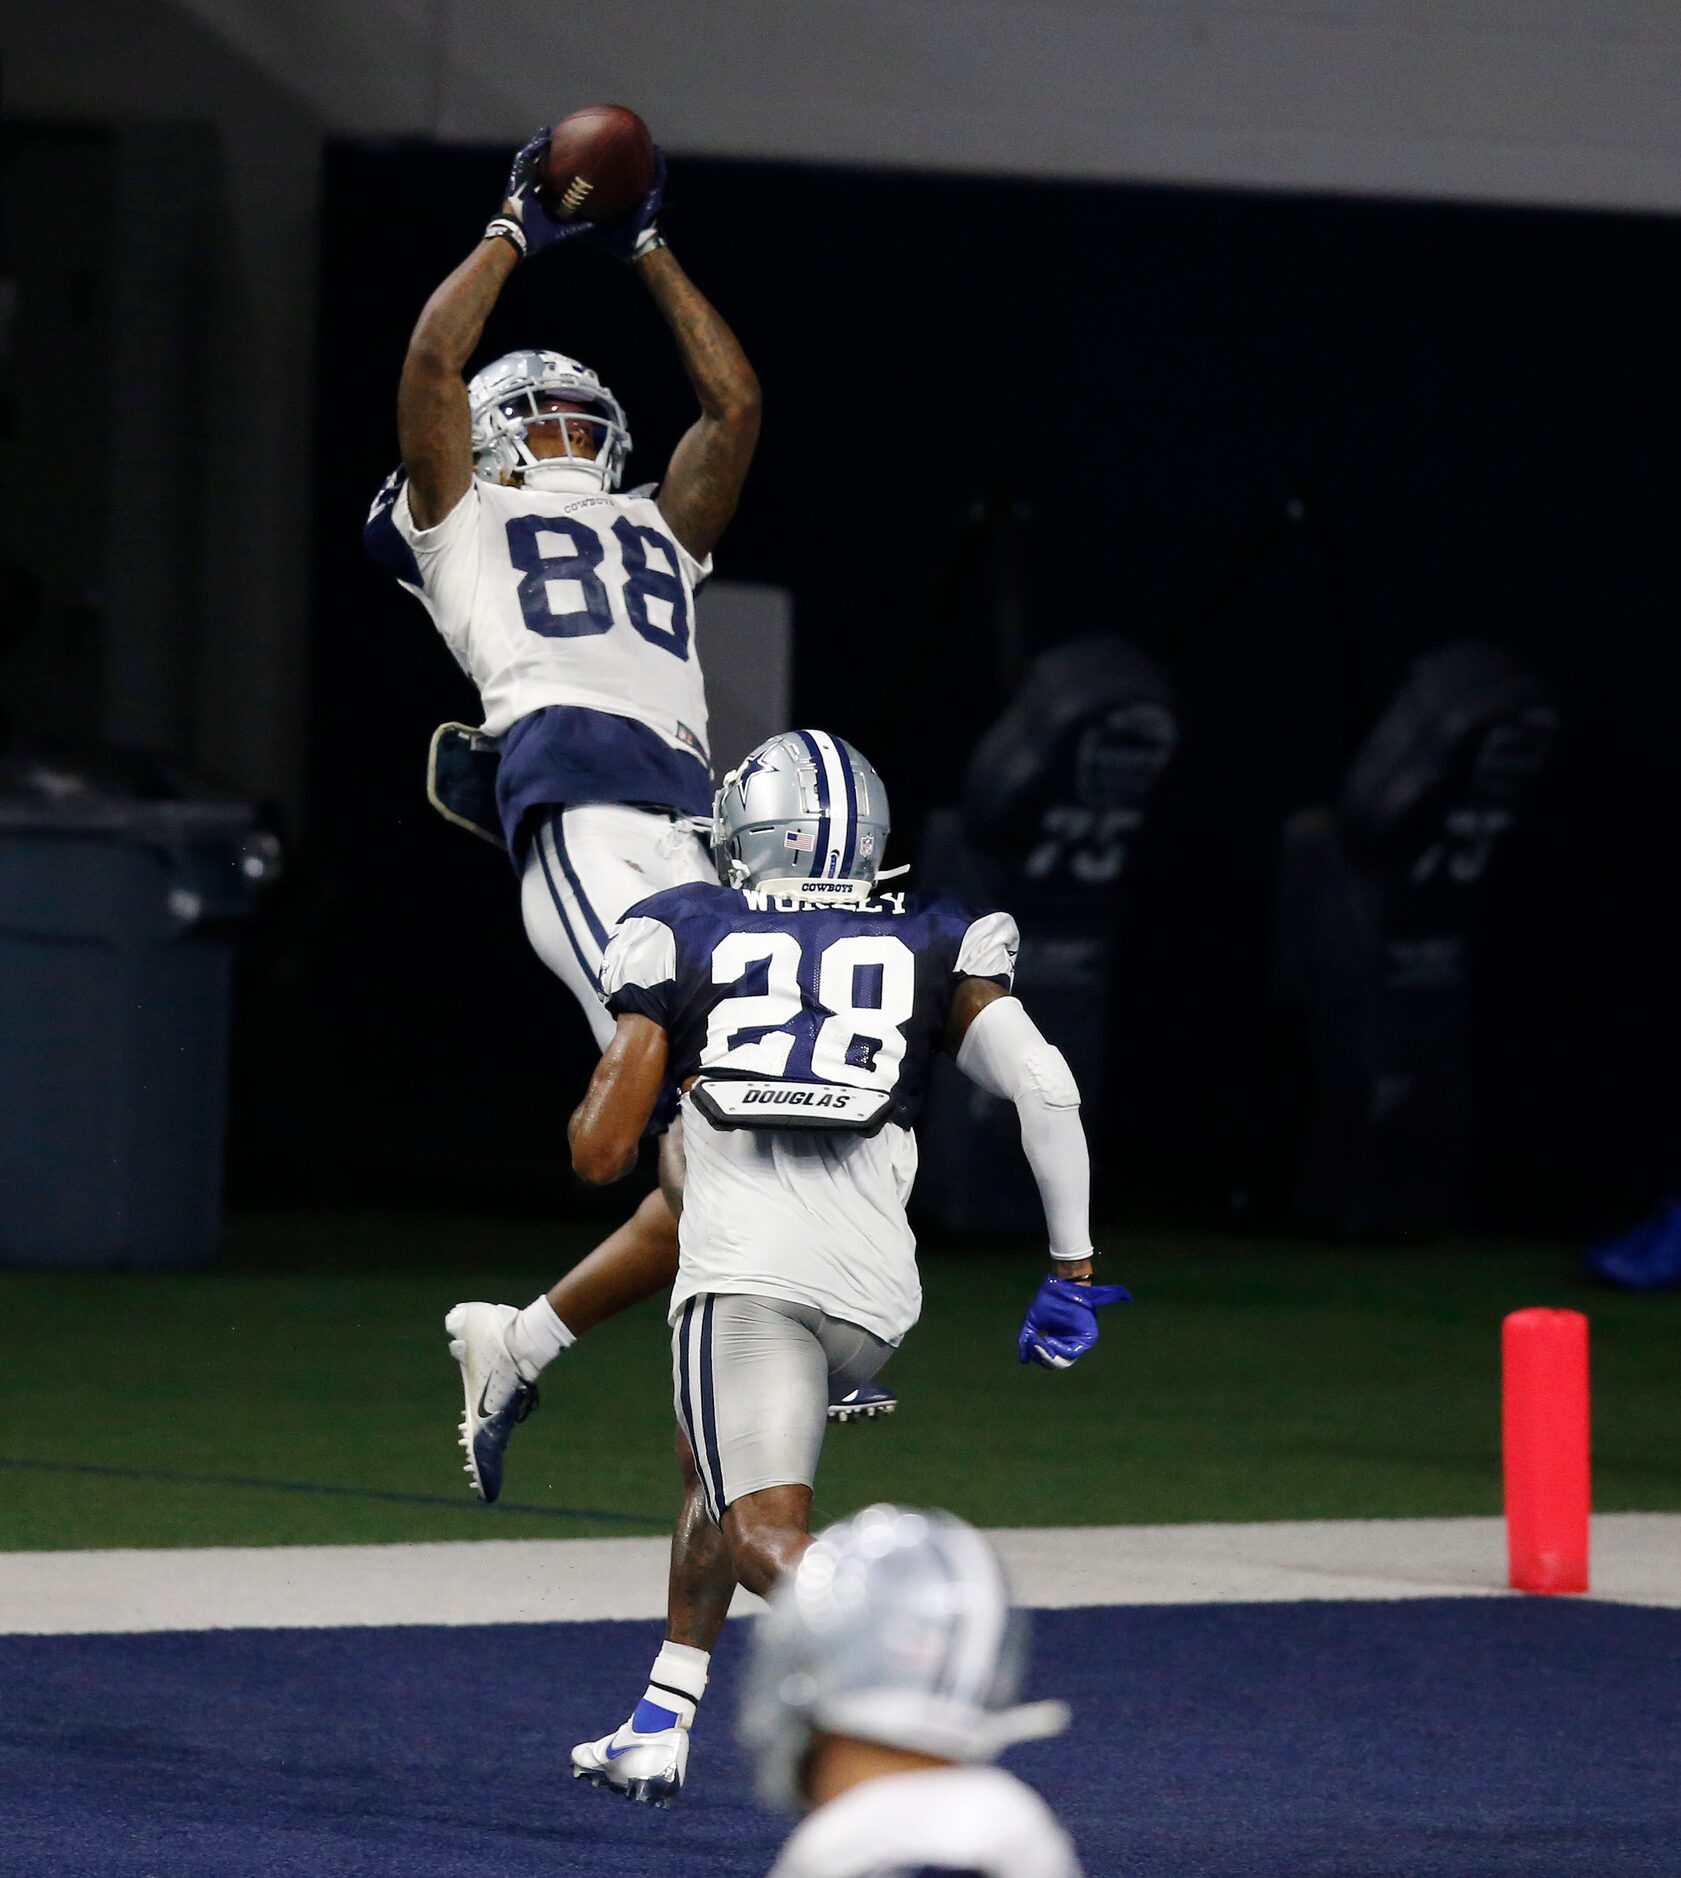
point(606, 1127)
point(997, 1045)
point(709, 465)
point(433, 427)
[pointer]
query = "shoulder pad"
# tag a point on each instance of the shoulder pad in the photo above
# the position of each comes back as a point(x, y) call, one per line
point(948, 908)
point(389, 490)
point(671, 903)
point(382, 544)
point(989, 947)
point(641, 952)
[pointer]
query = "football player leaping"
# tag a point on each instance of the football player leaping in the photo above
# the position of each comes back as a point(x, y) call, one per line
point(791, 1018)
point(571, 607)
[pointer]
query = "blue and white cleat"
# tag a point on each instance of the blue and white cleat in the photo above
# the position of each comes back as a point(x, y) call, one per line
point(867, 1403)
point(647, 1767)
point(498, 1397)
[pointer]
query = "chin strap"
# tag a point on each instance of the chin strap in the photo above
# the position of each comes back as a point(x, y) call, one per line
point(578, 481)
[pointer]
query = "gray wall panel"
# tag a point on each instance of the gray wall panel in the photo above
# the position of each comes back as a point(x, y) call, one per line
point(1488, 99)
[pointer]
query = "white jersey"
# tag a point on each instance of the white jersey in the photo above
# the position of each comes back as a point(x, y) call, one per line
point(815, 1218)
point(968, 1822)
point(560, 598)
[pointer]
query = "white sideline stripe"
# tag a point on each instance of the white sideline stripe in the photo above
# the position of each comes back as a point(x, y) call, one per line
point(1636, 1560)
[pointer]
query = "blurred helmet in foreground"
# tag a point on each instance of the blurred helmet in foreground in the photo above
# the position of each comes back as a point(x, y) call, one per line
point(895, 1627)
point(803, 812)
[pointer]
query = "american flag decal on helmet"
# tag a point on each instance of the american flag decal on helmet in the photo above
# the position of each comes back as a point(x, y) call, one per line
point(801, 840)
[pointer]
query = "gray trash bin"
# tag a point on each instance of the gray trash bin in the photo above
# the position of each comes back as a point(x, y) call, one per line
point(121, 886)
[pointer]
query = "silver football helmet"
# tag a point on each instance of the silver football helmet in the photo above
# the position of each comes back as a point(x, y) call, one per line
point(507, 398)
point(804, 813)
point(895, 1626)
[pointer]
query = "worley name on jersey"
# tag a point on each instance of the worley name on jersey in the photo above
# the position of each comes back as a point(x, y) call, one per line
point(765, 986)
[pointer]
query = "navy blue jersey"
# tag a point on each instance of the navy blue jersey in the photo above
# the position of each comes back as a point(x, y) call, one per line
point(749, 984)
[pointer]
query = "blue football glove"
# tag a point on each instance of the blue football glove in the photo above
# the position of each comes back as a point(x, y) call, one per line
point(530, 227)
point(524, 222)
point(1061, 1322)
point(634, 233)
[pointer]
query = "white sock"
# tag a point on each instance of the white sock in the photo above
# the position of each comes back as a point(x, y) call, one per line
point(675, 1685)
point(536, 1337)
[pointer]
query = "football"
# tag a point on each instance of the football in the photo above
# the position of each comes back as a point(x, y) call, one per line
point(600, 163)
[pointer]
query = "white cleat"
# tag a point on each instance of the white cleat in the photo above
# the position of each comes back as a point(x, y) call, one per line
point(648, 1769)
point(498, 1397)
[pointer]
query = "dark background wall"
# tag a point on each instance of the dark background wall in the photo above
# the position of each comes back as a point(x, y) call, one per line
point(1287, 445)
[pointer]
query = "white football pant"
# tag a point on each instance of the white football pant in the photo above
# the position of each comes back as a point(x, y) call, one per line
point(585, 869)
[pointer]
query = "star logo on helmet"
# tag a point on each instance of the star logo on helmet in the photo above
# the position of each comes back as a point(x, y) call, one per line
point(751, 768)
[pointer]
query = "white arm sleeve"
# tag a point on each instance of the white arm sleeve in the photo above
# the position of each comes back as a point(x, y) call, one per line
point(1005, 1053)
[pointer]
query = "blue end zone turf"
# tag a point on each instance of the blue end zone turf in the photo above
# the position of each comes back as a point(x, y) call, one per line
point(1468, 1738)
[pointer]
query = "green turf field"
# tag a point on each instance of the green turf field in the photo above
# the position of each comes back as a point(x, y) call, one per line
point(276, 1399)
